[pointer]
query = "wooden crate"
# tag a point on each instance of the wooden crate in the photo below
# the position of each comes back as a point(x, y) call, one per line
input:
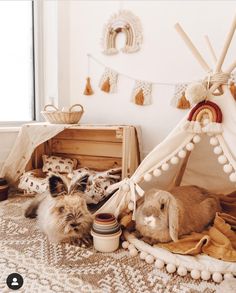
point(96, 147)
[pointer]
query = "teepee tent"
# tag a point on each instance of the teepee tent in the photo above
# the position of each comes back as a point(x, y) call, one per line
point(201, 150)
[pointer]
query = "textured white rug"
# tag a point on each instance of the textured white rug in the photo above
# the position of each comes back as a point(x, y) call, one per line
point(70, 269)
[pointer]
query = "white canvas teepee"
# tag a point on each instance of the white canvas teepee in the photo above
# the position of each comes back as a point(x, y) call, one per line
point(201, 150)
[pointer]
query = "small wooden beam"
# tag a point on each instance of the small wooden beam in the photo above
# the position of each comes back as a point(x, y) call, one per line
point(180, 175)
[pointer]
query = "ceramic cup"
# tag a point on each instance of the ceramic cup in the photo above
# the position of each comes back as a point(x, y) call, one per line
point(106, 232)
point(3, 189)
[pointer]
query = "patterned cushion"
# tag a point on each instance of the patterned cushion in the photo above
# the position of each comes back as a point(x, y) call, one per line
point(94, 184)
point(32, 184)
point(58, 164)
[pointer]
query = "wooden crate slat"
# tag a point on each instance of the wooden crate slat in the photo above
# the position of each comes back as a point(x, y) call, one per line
point(105, 149)
point(94, 162)
point(98, 148)
point(85, 134)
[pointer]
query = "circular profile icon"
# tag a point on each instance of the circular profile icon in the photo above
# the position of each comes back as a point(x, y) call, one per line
point(15, 281)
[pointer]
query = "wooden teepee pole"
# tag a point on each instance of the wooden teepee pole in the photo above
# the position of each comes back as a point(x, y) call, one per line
point(212, 51)
point(192, 48)
point(180, 175)
point(231, 67)
point(226, 45)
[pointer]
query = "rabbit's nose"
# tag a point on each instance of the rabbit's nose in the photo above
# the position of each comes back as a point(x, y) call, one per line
point(147, 213)
point(150, 221)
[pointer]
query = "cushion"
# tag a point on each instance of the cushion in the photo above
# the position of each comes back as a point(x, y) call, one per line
point(94, 184)
point(32, 184)
point(58, 164)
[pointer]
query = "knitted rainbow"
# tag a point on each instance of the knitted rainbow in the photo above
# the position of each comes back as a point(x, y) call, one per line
point(206, 107)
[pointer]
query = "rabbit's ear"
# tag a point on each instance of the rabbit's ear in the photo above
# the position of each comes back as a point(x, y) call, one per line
point(150, 193)
point(173, 214)
point(56, 186)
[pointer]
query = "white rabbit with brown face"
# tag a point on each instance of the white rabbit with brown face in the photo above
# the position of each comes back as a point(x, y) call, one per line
point(164, 216)
point(62, 215)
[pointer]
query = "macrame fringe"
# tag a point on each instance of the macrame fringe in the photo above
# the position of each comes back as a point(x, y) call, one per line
point(139, 98)
point(183, 103)
point(195, 127)
point(233, 89)
point(106, 86)
point(212, 127)
point(88, 91)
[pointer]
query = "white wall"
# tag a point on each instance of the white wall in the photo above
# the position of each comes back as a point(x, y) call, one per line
point(163, 58)
point(71, 29)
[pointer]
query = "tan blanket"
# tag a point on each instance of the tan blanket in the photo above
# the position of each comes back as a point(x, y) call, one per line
point(219, 241)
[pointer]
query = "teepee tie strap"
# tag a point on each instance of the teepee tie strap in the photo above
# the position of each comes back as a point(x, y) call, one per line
point(135, 190)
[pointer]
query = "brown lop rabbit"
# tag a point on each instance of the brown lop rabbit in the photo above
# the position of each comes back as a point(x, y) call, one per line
point(164, 216)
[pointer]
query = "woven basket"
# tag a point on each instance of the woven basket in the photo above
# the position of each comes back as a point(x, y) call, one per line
point(62, 117)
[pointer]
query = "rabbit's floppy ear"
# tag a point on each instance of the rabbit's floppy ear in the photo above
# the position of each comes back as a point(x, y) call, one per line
point(173, 216)
point(152, 192)
point(56, 185)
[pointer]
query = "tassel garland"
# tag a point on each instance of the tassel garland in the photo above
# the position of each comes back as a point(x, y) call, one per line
point(105, 87)
point(139, 98)
point(108, 82)
point(183, 103)
point(142, 93)
point(88, 91)
point(233, 89)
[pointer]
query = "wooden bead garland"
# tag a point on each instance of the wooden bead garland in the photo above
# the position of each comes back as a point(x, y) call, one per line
point(157, 172)
point(222, 159)
point(131, 206)
point(147, 177)
point(159, 264)
point(217, 150)
point(171, 268)
point(174, 160)
point(217, 277)
point(182, 271)
point(143, 255)
point(205, 275)
point(214, 141)
point(196, 139)
point(232, 177)
point(190, 146)
point(125, 187)
point(131, 246)
point(182, 154)
point(125, 244)
point(195, 274)
point(165, 167)
point(149, 259)
point(228, 168)
point(133, 252)
point(228, 276)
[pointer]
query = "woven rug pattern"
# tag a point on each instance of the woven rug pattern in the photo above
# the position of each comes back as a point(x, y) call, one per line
point(47, 267)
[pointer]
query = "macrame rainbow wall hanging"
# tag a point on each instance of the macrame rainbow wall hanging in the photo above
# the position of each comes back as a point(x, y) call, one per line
point(205, 117)
point(129, 24)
